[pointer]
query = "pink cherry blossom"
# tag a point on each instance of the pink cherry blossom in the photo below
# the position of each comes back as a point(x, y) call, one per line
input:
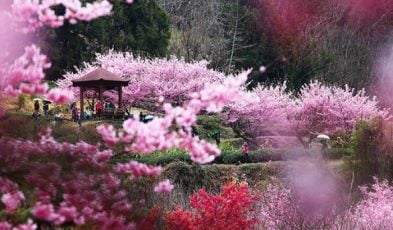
point(108, 134)
point(60, 96)
point(44, 212)
point(25, 75)
point(11, 196)
point(12, 200)
point(328, 109)
point(136, 169)
point(164, 186)
point(5, 226)
point(33, 14)
point(30, 225)
point(375, 211)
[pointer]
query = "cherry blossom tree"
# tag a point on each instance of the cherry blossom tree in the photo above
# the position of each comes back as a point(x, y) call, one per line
point(328, 109)
point(259, 109)
point(174, 79)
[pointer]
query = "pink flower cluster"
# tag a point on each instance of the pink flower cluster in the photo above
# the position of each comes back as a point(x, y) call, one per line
point(136, 169)
point(91, 191)
point(60, 96)
point(108, 134)
point(30, 225)
point(33, 14)
point(164, 187)
point(26, 73)
point(375, 211)
point(11, 196)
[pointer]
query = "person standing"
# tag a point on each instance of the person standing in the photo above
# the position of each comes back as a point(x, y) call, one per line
point(36, 112)
point(99, 109)
point(36, 107)
point(218, 138)
point(74, 112)
point(45, 107)
point(245, 149)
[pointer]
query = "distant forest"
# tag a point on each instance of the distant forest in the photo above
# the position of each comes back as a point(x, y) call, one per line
point(297, 40)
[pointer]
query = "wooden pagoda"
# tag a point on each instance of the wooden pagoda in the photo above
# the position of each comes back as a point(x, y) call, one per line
point(100, 80)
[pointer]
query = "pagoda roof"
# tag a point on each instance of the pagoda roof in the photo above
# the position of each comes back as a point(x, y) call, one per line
point(100, 75)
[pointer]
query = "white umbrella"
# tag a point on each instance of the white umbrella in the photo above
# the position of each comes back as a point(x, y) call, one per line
point(323, 137)
point(149, 117)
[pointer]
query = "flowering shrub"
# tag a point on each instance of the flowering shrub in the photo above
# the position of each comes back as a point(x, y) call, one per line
point(80, 187)
point(375, 211)
point(232, 209)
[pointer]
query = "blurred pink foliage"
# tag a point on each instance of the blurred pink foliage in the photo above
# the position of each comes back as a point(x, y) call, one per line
point(164, 187)
point(375, 211)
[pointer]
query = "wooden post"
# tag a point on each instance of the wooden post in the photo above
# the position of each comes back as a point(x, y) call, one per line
point(81, 102)
point(101, 93)
point(120, 97)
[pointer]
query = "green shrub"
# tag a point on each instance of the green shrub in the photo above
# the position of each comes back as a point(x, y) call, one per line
point(68, 138)
point(21, 102)
point(167, 157)
point(233, 158)
point(227, 146)
point(89, 134)
point(235, 142)
point(21, 126)
point(373, 150)
point(207, 125)
point(253, 173)
point(66, 133)
point(338, 153)
point(189, 177)
point(209, 122)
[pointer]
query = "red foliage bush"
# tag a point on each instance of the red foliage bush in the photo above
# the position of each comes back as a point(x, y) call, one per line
point(231, 209)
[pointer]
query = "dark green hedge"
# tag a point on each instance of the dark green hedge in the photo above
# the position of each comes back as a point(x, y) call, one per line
point(261, 155)
point(338, 153)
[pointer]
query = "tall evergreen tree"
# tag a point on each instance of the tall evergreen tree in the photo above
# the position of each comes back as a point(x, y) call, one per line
point(141, 27)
